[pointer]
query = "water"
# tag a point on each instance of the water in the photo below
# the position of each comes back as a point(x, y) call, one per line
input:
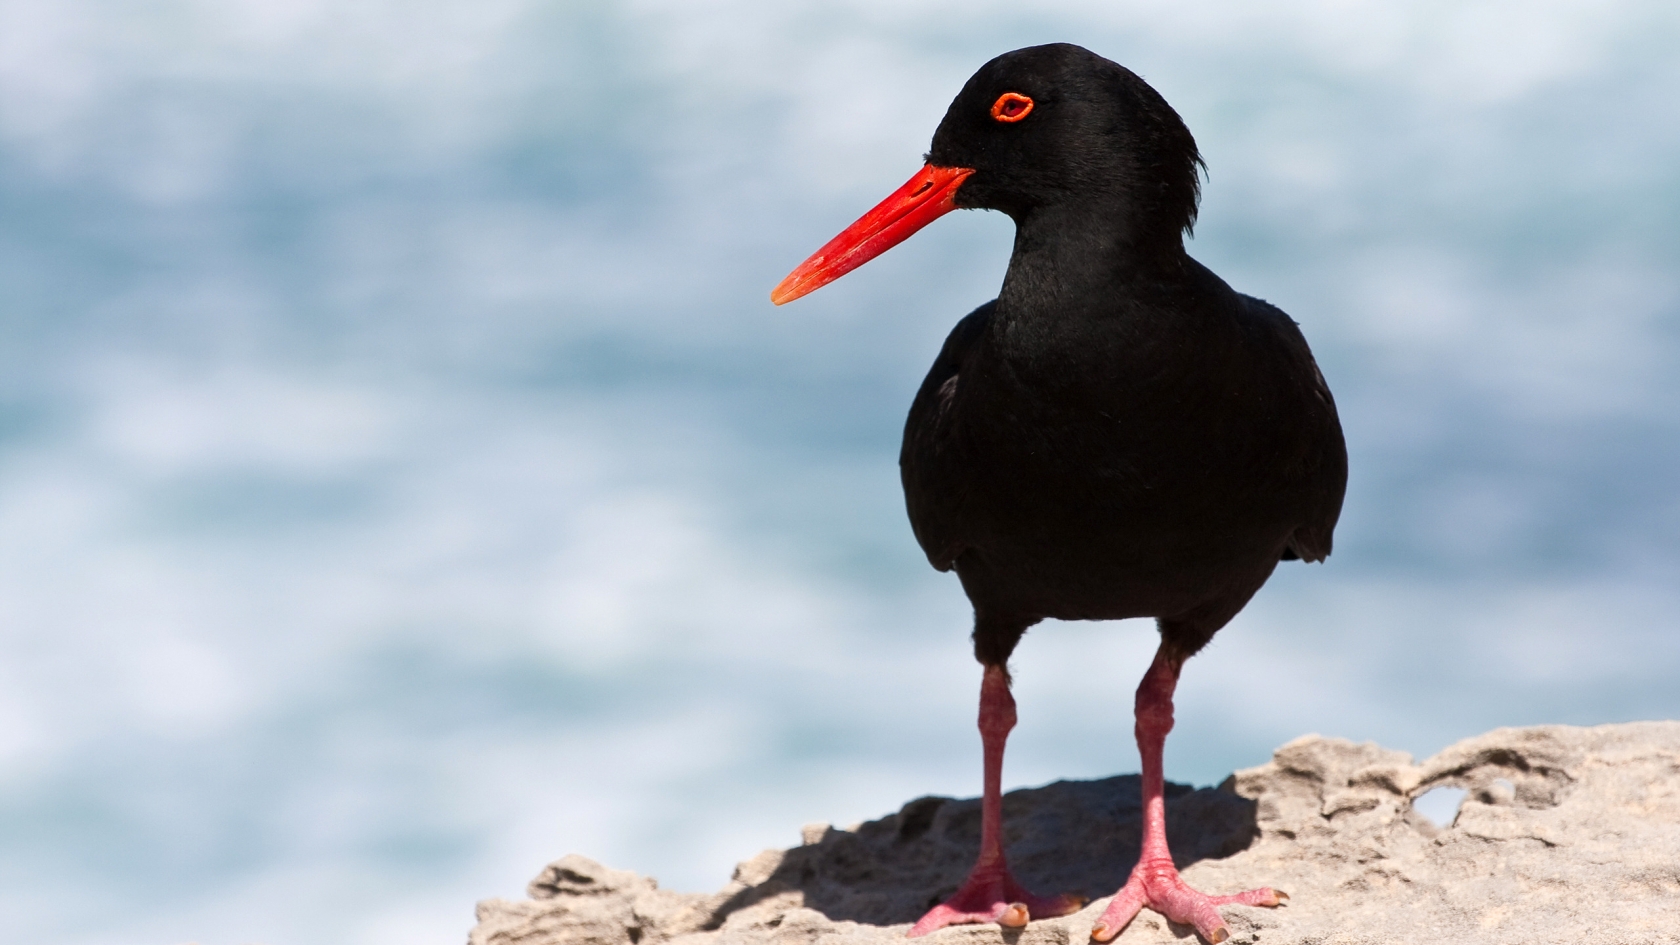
point(404, 479)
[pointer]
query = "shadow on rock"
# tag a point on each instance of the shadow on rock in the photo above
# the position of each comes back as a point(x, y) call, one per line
point(1078, 837)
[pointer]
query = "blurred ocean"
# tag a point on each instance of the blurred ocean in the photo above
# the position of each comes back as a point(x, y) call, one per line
point(405, 479)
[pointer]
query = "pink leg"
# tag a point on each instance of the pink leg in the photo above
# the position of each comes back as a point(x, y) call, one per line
point(991, 893)
point(1155, 881)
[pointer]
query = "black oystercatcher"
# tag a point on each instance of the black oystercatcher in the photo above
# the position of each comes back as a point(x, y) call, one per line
point(1118, 434)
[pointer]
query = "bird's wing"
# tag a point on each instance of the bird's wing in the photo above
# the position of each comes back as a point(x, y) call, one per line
point(1312, 541)
point(1322, 451)
point(932, 474)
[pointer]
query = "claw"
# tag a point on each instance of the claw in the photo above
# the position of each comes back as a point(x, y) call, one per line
point(1015, 916)
point(1219, 935)
point(1269, 898)
point(1100, 933)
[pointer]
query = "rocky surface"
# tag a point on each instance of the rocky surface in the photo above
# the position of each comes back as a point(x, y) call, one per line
point(1567, 835)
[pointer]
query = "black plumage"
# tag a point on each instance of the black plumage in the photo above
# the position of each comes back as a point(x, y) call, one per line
point(1118, 434)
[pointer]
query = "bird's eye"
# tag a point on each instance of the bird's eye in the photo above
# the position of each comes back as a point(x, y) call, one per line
point(1011, 106)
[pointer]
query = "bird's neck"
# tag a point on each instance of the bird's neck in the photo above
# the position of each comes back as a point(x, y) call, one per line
point(1073, 264)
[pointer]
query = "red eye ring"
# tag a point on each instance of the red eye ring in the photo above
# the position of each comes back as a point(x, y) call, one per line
point(1012, 106)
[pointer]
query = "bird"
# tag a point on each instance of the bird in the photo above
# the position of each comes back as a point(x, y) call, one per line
point(1118, 434)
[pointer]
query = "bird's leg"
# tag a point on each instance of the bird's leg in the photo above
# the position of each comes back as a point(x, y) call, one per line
point(991, 893)
point(1155, 881)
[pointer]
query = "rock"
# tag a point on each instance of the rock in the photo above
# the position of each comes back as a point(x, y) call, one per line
point(1565, 835)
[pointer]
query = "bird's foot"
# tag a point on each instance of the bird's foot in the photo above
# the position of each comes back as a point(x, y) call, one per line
point(1158, 886)
point(991, 894)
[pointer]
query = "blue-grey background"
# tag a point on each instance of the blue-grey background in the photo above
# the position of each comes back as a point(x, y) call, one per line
point(404, 479)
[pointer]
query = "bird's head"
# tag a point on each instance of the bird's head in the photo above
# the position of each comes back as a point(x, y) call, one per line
point(1042, 128)
point(1059, 124)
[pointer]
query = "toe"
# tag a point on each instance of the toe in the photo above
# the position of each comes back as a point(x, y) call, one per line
point(1120, 912)
point(1269, 898)
point(1015, 916)
point(941, 916)
point(1211, 927)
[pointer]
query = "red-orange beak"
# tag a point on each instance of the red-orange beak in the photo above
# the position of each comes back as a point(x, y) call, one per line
point(923, 199)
